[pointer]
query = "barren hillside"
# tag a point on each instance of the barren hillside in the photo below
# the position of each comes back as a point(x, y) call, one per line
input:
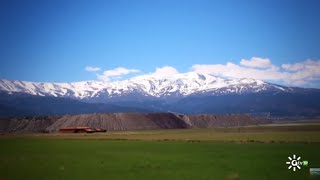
point(126, 121)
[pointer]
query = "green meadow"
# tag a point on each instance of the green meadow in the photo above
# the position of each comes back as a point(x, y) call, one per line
point(251, 153)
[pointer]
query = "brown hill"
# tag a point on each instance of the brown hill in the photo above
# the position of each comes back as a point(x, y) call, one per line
point(126, 121)
point(220, 120)
point(27, 124)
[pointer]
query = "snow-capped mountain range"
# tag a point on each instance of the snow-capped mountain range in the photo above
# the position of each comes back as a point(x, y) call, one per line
point(180, 85)
point(189, 93)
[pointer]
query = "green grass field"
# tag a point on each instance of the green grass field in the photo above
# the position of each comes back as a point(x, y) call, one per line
point(252, 153)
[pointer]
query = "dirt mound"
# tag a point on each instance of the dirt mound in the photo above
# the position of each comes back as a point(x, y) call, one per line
point(27, 124)
point(125, 121)
point(120, 121)
point(220, 120)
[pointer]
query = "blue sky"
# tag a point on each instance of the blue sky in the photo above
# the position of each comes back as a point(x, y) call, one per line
point(54, 40)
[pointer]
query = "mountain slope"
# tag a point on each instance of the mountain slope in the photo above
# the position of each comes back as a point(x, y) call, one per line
point(21, 104)
point(279, 104)
point(183, 93)
point(145, 87)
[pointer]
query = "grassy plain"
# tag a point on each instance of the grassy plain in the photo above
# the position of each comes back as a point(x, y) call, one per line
point(221, 153)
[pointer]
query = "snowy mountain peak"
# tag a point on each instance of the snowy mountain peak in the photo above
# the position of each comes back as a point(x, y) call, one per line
point(178, 85)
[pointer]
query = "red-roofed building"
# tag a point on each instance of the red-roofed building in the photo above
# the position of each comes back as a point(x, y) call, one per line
point(80, 129)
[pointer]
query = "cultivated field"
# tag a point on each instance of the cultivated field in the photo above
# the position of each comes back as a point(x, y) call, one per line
point(257, 152)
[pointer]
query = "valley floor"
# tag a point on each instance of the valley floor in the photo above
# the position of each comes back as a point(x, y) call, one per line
point(258, 152)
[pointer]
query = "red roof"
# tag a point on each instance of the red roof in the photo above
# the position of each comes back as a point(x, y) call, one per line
point(85, 128)
point(78, 127)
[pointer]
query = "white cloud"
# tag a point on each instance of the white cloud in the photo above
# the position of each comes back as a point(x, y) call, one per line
point(257, 62)
point(165, 71)
point(235, 71)
point(306, 71)
point(308, 64)
point(303, 73)
point(292, 67)
point(116, 73)
point(160, 72)
point(298, 74)
point(92, 69)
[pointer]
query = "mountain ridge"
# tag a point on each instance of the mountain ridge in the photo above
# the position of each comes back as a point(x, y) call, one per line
point(180, 85)
point(181, 93)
